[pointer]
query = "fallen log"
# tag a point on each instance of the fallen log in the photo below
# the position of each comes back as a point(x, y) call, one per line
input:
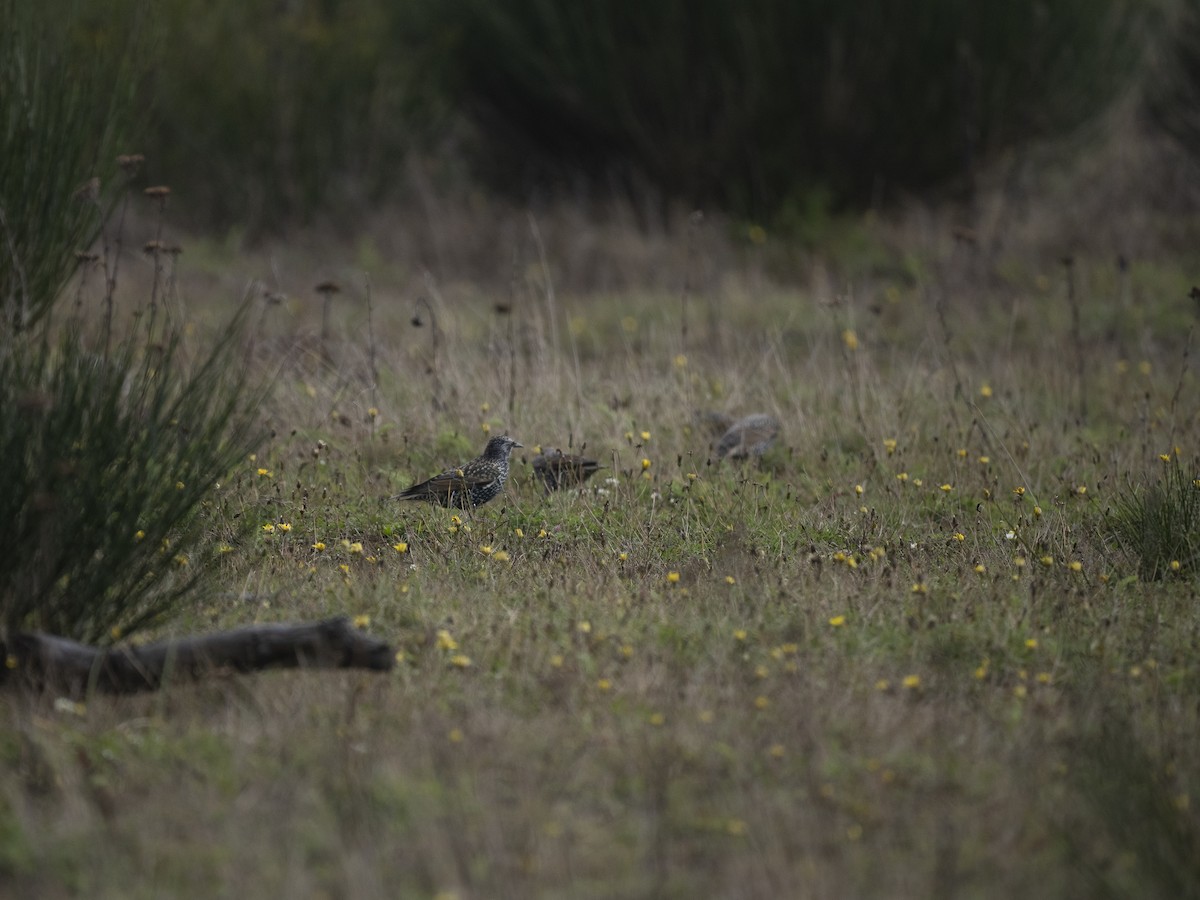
point(46, 662)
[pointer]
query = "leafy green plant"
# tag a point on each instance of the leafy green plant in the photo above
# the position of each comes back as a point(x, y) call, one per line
point(110, 454)
point(110, 460)
point(1158, 524)
point(66, 90)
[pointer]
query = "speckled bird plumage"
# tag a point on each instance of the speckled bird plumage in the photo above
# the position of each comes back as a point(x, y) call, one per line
point(750, 436)
point(473, 483)
point(557, 470)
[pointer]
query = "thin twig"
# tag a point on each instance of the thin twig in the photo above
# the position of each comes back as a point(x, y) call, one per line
point(1183, 368)
point(947, 336)
point(694, 221)
point(18, 268)
point(113, 253)
point(157, 253)
point(1076, 335)
point(512, 338)
point(433, 325)
point(551, 305)
point(374, 371)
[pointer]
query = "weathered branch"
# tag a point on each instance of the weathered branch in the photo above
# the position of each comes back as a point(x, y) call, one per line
point(42, 661)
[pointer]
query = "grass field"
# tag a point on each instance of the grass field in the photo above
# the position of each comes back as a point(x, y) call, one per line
point(902, 655)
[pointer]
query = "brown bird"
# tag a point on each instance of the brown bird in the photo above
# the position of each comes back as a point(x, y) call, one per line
point(471, 484)
point(750, 436)
point(558, 470)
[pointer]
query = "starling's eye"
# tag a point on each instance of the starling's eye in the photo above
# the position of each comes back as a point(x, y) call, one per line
point(416, 322)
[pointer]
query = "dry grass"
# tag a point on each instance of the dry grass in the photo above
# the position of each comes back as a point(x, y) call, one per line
point(864, 667)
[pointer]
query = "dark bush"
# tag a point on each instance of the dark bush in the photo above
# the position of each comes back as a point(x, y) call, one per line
point(265, 113)
point(1157, 524)
point(1173, 93)
point(754, 105)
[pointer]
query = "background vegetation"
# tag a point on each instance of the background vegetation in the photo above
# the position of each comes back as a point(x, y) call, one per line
point(65, 96)
point(768, 111)
point(939, 641)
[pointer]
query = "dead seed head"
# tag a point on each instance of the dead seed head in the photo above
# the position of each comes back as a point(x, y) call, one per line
point(502, 309)
point(88, 192)
point(86, 258)
point(130, 162)
point(326, 288)
point(158, 192)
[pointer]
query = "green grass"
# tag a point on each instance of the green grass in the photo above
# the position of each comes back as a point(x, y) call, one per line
point(903, 692)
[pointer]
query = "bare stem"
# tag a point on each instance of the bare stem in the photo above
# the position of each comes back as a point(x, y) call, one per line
point(1076, 334)
point(373, 369)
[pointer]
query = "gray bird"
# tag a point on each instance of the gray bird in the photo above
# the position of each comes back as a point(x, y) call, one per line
point(750, 436)
point(713, 422)
point(471, 484)
point(557, 470)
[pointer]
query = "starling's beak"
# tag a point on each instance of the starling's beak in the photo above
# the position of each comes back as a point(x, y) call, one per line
point(516, 443)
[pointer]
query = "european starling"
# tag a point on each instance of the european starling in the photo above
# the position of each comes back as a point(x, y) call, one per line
point(558, 470)
point(714, 422)
point(751, 436)
point(471, 484)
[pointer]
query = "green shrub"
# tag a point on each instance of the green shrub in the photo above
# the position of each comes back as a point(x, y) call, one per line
point(1158, 524)
point(67, 82)
point(109, 454)
point(754, 106)
point(109, 461)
